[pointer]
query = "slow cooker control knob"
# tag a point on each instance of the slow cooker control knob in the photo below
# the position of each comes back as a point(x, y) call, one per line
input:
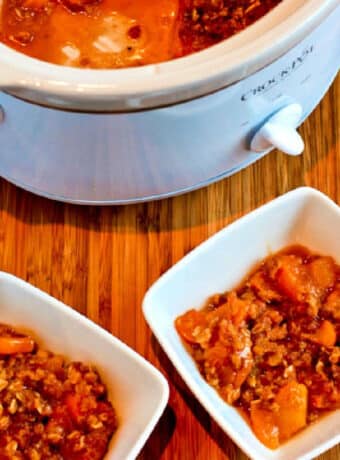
point(279, 131)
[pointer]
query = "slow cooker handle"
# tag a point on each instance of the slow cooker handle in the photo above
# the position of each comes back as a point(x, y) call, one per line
point(280, 132)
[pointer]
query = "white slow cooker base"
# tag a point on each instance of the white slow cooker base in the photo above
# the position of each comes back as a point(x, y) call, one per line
point(125, 158)
point(142, 199)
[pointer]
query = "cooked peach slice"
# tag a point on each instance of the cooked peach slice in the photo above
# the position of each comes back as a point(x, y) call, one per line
point(12, 345)
point(322, 270)
point(265, 426)
point(326, 334)
point(291, 278)
point(292, 414)
point(189, 324)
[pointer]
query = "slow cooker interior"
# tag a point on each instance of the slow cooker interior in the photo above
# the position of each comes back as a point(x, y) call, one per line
point(108, 34)
point(169, 82)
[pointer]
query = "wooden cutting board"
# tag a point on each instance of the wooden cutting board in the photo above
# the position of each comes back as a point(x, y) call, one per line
point(102, 260)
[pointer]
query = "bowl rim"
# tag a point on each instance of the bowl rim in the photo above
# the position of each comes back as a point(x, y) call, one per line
point(304, 192)
point(177, 80)
point(117, 344)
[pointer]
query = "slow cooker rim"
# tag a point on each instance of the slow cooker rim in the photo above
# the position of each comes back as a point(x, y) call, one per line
point(22, 73)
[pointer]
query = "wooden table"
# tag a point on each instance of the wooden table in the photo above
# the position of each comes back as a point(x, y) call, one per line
point(101, 261)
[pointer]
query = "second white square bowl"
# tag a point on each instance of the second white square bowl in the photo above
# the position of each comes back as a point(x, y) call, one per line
point(303, 216)
point(138, 392)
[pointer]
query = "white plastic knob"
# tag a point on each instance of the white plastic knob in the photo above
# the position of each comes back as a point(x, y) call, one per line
point(280, 132)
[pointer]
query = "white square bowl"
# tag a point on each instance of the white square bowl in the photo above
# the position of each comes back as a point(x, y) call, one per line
point(137, 390)
point(303, 216)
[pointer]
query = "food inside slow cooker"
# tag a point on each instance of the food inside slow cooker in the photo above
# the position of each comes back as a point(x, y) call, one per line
point(122, 33)
point(50, 408)
point(272, 347)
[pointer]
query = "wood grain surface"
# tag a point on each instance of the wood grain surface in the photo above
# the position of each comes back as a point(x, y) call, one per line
point(101, 261)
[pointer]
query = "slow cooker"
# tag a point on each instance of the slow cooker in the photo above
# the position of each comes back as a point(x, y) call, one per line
point(129, 135)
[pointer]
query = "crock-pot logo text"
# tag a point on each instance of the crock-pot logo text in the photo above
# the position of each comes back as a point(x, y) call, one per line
point(280, 76)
